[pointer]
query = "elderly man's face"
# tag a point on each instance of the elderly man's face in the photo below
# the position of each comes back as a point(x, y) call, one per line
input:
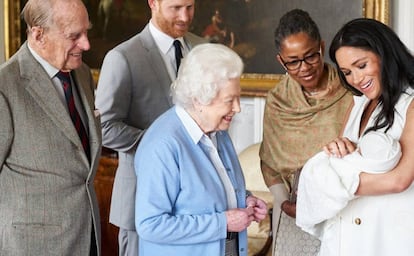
point(68, 38)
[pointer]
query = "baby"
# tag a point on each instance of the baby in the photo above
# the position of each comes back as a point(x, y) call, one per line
point(327, 184)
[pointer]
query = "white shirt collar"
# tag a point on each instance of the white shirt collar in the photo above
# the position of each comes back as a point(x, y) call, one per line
point(162, 40)
point(50, 70)
point(192, 127)
point(189, 124)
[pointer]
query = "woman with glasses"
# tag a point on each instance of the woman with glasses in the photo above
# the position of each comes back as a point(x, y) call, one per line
point(303, 112)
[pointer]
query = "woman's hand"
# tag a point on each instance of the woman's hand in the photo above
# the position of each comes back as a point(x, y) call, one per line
point(259, 207)
point(289, 208)
point(239, 219)
point(339, 147)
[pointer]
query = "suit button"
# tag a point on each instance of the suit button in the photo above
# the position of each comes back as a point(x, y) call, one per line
point(357, 221)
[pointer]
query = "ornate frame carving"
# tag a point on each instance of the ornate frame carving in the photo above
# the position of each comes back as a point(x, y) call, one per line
point(252, 84)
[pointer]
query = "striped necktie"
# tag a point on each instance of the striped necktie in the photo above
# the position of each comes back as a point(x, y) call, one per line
point(74, 114)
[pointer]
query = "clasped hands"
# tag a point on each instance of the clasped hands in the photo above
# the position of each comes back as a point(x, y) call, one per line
point(239, 219)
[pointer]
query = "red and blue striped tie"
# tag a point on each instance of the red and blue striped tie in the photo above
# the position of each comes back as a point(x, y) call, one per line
point(74, 114)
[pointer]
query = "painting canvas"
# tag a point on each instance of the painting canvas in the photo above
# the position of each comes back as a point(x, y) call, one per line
point(247, 26)
point(113, 21)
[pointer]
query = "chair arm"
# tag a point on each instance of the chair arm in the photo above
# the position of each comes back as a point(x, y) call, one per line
point(266, 247)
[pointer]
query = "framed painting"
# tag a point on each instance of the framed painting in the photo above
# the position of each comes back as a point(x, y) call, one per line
point(245, 25)
point(113, 21)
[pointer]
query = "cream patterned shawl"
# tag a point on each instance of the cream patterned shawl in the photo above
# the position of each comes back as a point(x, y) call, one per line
point(297, 126)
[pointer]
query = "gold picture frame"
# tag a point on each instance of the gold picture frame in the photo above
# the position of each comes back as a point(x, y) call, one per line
point(252, 84)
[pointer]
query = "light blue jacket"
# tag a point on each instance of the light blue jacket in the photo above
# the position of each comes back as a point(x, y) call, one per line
point(180, 200)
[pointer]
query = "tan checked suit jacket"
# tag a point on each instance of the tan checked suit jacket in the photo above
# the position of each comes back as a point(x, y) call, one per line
point(48, 204)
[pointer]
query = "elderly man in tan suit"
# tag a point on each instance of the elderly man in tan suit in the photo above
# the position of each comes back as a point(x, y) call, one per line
point(50, 137)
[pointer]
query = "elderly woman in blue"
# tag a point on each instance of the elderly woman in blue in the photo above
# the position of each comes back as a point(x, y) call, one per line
point(191, 197)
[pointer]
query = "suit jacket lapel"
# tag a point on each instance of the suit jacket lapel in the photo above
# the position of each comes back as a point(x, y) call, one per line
point(87, 99)
point(157, 62)
point(41, 88)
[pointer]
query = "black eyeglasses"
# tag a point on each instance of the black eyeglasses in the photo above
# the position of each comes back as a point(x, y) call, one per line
point(295, 65)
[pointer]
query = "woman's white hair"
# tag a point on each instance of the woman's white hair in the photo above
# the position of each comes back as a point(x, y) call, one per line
point(203, 72)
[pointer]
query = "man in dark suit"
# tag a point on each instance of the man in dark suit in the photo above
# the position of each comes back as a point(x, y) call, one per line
point(48, 204)
point(133, 90)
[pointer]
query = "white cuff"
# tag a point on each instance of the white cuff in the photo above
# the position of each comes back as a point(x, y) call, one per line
point(280, 194)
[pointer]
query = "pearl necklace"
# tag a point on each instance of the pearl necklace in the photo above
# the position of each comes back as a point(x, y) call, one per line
point(312, 93)
point(315, 91)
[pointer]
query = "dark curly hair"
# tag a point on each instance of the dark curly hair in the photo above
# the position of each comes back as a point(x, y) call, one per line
point(294, 22)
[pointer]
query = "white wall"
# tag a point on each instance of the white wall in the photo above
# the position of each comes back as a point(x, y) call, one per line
point(403, 21)
point(246, 127)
